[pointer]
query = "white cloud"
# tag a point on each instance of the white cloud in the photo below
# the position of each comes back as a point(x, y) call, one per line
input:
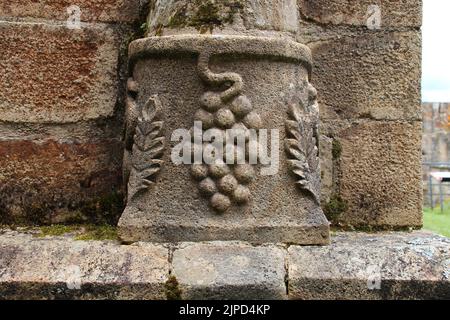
point(436, 51)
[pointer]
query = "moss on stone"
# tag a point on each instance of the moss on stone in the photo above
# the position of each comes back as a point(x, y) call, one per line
point(335, 207)
point(179, 19)
point(373, 229)
point(336, 149)
point(56, 230)
point(103, 210)
point(80, 232)
point(144, 27)
point(104, 232)
point(172, 289)
point(207, 16)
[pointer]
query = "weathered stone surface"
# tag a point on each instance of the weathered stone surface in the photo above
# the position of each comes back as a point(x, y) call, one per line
point(42, 180)
point(230, 270)
point(388, 265)
point(372, 266)
point(380, 173)
point(267, 76)
point(91, 10)
point(68, 269)
point(368, 75)
point(254, 17)
point(326, 167)
point(350, 12)
point(54, 74)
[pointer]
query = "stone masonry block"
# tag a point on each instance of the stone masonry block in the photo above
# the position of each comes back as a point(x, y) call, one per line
point(69, 269)
point(380, 173)
point(394, 13)
point(54, 74)
point(91, 10)
point(41, 179)
point(384, 265)
point(230, 270)
point(392, 265)
point(223, 16)
point(369, 75)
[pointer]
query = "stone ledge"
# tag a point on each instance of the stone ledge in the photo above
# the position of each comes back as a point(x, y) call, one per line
point(390, 265)
point(230, 270)
point(61, 268)
point(403, 265)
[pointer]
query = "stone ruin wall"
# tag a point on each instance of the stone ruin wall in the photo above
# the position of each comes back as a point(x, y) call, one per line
point(435, 147)
point(62, 105)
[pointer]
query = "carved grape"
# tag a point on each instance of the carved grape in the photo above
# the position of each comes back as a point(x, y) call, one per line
point(241, 194)
point(224, 118)
point(211, 101)
point(225, 183)
point(220, 202)
point(241, 106)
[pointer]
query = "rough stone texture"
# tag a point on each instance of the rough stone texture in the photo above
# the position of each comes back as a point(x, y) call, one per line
point(359, 73)
point(402, 265)
point(380, 173)
point(172, 207)
point(390, 265)
point(256, 17)
point(68, 269)
point(41, 180)
point(326, 167)
point(230, 270)
point(369, 75)
point(91, 10)
point(54, 74)
point(394, 13)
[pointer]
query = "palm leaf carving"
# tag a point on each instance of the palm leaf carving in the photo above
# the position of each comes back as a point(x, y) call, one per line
point(148, 148)
point(302, 150)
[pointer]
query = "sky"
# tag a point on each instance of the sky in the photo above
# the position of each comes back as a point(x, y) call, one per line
point(436, 51)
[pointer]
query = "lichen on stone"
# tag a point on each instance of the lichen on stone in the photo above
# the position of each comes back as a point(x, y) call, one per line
point(335, 207)
point(205, 15)
point(336, 149)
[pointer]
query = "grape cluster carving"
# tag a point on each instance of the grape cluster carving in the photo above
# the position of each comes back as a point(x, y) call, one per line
point(225, 184)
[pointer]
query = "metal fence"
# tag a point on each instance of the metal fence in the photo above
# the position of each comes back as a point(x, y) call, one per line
point(442, 194)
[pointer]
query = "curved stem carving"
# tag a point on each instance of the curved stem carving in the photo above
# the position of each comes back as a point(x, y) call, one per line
point(216, 79)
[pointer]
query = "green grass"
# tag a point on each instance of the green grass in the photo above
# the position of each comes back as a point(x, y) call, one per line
point(436, 221)
point(80, 232)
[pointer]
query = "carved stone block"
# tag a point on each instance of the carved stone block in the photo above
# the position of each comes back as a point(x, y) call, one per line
point(257, 86)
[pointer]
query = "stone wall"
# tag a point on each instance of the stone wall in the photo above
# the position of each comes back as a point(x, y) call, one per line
point(61, 103)
point(435, 148)
point(369, 93)
point(61, 108)
point(356, 265)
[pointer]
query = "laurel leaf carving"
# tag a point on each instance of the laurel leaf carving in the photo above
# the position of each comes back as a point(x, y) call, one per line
point(303, 153)
point(148, 148)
